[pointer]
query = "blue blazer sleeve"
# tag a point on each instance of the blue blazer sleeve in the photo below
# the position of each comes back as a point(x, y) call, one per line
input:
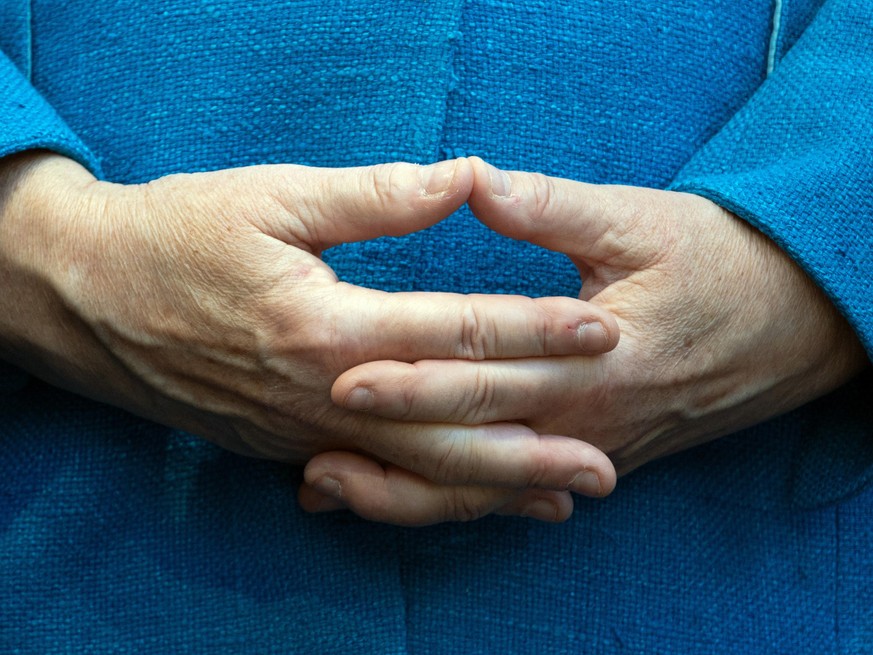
point(797, 160)
point(27, 121)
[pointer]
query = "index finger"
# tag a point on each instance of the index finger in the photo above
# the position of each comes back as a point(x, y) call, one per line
point(421, 325)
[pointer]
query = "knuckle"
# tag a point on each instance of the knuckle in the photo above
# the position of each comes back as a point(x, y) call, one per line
point(542, 327)
point(408, 397)
point(384, 184)
point(543, 193)
point(475, 407)
point(460, 505)
point(456, 463)
point(641, 214)
point(282, 339)
point(444, 464)
point(541, 469)
point(300, 212)
point(473, 340)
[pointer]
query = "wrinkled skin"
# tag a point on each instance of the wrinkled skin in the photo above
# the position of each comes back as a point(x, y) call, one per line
point(200, 301)
point(720, 330)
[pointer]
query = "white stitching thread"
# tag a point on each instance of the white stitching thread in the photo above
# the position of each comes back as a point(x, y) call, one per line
point(774, 36)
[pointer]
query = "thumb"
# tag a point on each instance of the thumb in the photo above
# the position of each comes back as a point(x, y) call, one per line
point(329, 206)
point(598, 226)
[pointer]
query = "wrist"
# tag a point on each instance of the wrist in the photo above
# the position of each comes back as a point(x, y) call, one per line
point(40, 195)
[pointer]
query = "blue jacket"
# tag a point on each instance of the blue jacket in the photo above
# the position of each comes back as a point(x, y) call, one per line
point(118, 535)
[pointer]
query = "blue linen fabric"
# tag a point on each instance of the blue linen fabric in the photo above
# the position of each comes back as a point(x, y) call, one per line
point(118, 535)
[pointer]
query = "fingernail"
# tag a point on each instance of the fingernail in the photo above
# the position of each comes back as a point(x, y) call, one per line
point(500, 182)
point(587, 484)
point(437, 178)
point(541, 510)
point(328, 486)
point(359, 399)
point(592, 337)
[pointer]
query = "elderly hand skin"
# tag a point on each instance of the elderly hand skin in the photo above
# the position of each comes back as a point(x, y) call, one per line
point(720, 329)
point(200, 301)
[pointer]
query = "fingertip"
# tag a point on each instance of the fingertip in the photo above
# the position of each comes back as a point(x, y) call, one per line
point(578, 467)
point(464, 177)
point(598, 331)
point(613, 331)
point(598, 481)
point(592, 337)
point(490, 182)
point(390, 494)
point(608, 480)
point(410, 197)
point(545, 506)
point(344, 480)
point(559, 214)
point(606, 472)
point(446, 179)
point(371, 387)
point(314, 502)
point(357, 204)
point(372, 491)
point(608, 322)
point(579, 327)
point(343, 386)
point(358, 399)
point(337, 465)
point(498, 200)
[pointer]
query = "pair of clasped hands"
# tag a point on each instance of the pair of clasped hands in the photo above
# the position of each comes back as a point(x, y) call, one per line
point(200, 301)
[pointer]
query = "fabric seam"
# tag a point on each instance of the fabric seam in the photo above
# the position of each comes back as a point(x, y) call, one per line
point(442, 149)
point(28, 44)
point(774, 36)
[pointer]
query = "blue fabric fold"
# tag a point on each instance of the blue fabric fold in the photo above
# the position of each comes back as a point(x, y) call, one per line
point(119, 535)
point(797, 163)
point(29, 122)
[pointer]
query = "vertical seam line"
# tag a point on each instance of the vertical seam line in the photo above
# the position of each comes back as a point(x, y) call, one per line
point(452, 81)
point(774, 36)
point(28, 44)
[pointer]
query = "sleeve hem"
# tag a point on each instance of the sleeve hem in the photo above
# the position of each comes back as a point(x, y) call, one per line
point(854, 315)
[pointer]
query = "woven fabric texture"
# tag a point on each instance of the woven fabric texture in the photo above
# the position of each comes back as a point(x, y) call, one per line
point(121, 536)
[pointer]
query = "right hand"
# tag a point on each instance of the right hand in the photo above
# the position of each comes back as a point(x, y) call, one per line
point(200, 301)
point(721, 329)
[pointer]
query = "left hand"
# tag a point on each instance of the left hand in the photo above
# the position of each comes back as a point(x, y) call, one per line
point(720, 329)
point(200, 301)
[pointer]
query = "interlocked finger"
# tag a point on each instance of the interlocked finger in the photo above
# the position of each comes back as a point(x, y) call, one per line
point(507, 455)
point(393, 495)
point(413, 326)
point(471, 393)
